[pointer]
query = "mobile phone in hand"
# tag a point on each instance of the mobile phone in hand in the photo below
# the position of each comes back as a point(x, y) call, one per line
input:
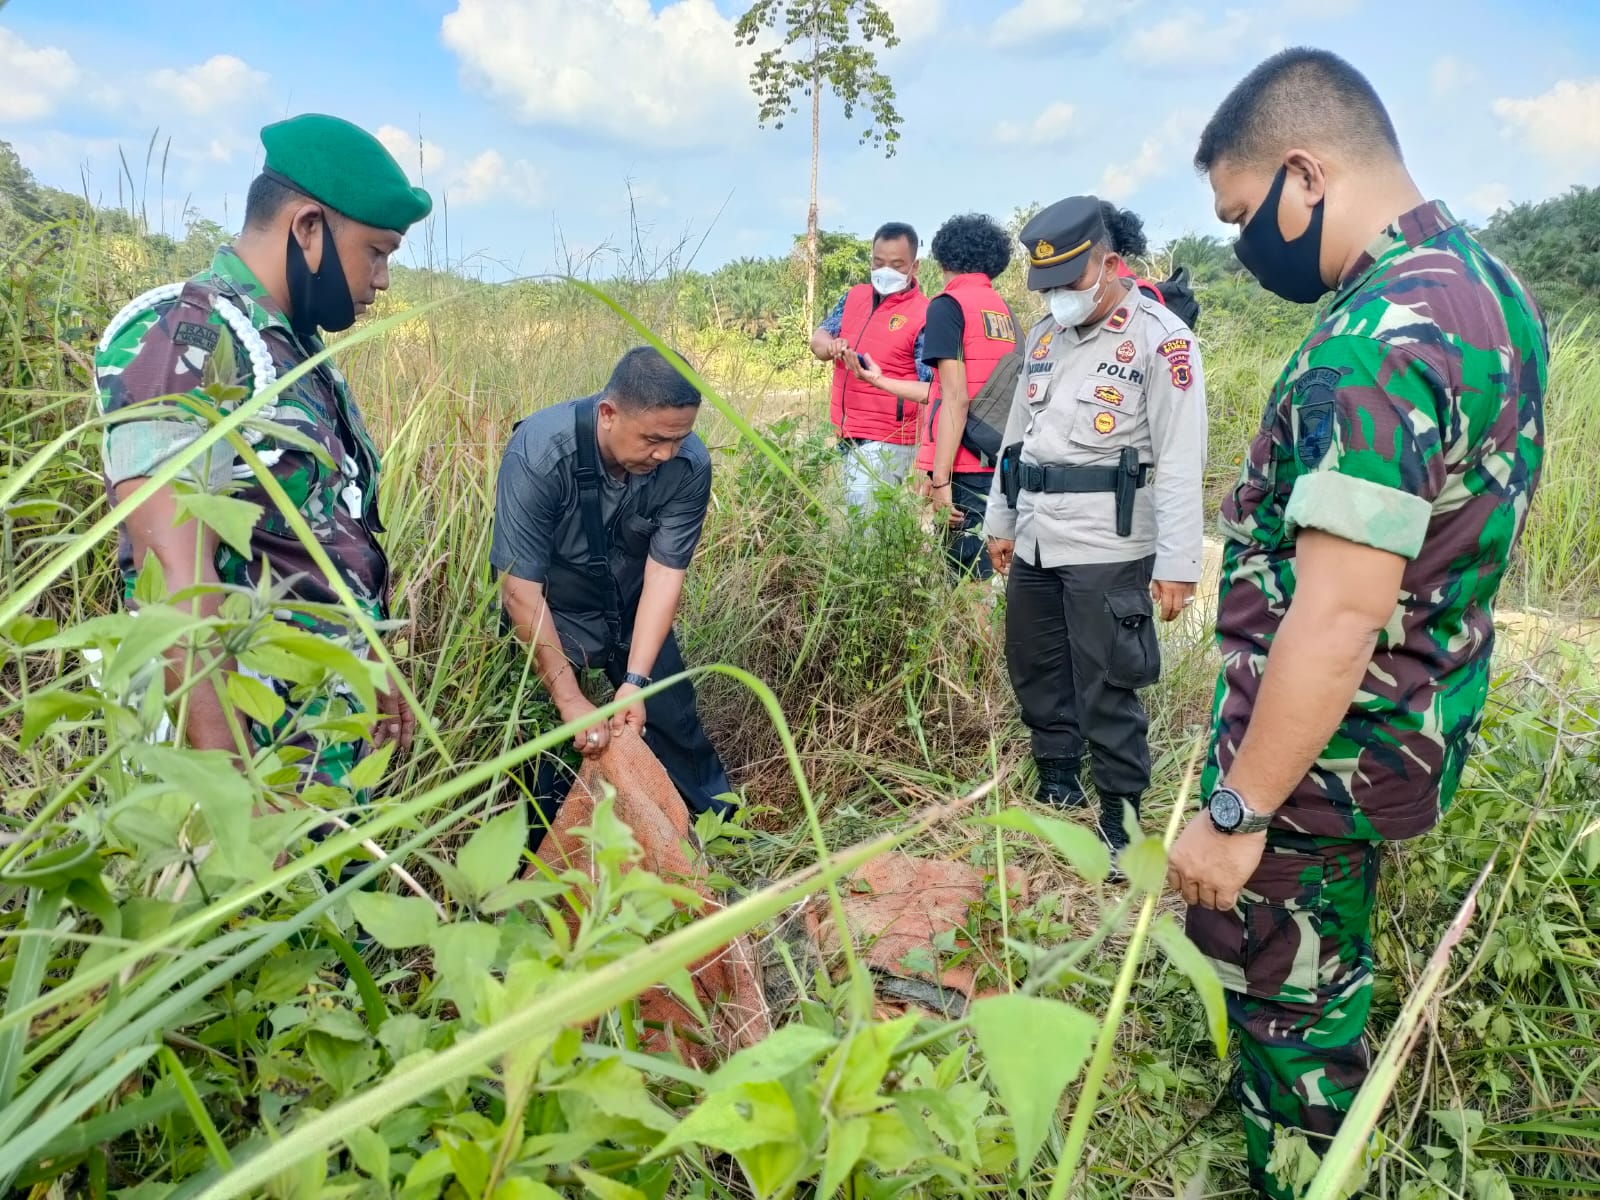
point(866, 363)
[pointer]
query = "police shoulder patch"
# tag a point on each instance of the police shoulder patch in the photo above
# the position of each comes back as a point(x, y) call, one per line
point(897, 321)
point(1173, 346)
point(997, 326)
point(202, 337)
point(1182, 375)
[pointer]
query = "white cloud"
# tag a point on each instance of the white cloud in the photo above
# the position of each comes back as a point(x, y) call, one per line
point(1049, 127)
point(430, 156)
point(1449, 75)
point(914, 20)
point(1489, 199)
point(35, 78)
point(1192, 37)
point(617, 67)
point(222, 81)
point(1327, 10)
point(1168, 149)
point(1029, 20)
point(1563, 124)
point(490, 177)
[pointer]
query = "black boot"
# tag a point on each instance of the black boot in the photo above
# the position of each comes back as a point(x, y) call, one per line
point(1110, 825)
point(1059, 783)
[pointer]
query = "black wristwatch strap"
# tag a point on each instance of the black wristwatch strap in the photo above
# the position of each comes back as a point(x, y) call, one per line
point(638, 680)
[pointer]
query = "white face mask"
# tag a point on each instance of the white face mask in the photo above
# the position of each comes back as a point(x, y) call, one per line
point(1071, 307)
point(886, 281)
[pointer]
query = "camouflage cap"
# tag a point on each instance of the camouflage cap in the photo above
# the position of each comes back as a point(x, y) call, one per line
point(346, 168)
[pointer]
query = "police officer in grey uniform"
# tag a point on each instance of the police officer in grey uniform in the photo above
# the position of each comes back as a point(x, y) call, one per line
point(1096, 511)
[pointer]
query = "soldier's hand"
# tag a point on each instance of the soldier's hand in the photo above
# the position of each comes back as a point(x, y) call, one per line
point(1171, 598)
point(593, 740)
point(633, 715)
point(396, 722)
point(1208, 868)
point(1000, 551)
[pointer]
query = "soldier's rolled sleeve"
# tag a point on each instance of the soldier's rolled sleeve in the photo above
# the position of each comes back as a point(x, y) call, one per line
point(1366, 429)
point(1178, 435)
point(527, 511)
point(145, 364)
point(681, 520)
point(999, 518)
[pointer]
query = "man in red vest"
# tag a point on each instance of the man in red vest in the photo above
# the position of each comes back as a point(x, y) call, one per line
point(969, 329)
point(873, 337)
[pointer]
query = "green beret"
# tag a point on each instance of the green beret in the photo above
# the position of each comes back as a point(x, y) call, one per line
point(346, 168)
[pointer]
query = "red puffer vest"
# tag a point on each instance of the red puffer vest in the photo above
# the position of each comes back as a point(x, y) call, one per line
point(887, 335)
point(987, 336)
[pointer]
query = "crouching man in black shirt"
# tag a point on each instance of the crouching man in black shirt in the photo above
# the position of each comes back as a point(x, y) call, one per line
point(598, 509)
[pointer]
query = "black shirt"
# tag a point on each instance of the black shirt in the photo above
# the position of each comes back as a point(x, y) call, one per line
point(943, 330)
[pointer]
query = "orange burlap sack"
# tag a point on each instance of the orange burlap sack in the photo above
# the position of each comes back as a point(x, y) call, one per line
point(894, 907)
point(727, 983)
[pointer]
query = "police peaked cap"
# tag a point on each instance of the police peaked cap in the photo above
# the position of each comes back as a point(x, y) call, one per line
point(346, 168)
point(1058, 240)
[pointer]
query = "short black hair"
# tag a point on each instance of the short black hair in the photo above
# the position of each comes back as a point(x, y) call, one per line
point(266, 199)
point(644, 378)
point(892, 230)
point(970, 243)
point(1124, 228)
point(1300, 96)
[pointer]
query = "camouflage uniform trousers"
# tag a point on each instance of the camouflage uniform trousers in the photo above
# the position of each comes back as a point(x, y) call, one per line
point(326, 761)
point(1295, 958)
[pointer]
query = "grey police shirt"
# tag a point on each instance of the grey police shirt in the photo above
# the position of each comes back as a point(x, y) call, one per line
point(1135, 380)
point(537, 518)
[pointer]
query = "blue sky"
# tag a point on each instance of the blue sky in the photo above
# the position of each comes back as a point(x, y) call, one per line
point(535, 115)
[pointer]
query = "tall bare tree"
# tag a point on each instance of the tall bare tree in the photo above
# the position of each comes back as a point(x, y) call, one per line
point(825, 42)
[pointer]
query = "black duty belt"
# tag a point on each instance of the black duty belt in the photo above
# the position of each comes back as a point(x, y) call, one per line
point(1037, 478)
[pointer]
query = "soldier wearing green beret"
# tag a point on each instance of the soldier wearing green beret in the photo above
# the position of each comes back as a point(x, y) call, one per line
point(321, 221)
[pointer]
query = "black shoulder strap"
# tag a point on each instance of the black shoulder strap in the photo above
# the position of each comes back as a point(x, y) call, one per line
point(594, 526)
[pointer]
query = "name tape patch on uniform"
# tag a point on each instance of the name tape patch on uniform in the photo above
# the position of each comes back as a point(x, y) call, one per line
point(203, 337)
point(1108, 394)
point(1039, 368)
point(1117, 371)
point(997, 326)
point(1175, 346)
point(1104, 423)
point(1042, 350)
point(1125, 352)
point(1315, 411)
point(1118, 321)
point(897, 321)
point(1182, 376)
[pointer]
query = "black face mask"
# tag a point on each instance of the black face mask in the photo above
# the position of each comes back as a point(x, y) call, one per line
point(321, 299)
point(1292, 270)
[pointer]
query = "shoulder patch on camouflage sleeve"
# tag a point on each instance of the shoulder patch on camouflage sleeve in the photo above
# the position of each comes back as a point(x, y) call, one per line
point(1314, 411)
point(202, 337)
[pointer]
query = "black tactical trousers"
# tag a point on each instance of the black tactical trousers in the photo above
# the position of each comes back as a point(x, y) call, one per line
point(1080, 642)
point(674, 734)
point(965, 548)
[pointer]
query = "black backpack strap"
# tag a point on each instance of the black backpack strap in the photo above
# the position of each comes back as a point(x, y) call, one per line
point(594, 526)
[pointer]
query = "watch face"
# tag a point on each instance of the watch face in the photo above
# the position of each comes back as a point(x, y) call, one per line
point(1226, 810)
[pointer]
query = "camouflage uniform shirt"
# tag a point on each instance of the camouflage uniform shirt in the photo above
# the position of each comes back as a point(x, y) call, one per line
point(1411, 420)
point(180, 346)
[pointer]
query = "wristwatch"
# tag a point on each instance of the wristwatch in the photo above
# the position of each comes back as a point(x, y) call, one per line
point(1230, 814)
point(638, 680)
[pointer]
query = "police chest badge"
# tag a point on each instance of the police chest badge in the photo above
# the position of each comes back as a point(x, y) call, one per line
point(1104, 423)
point(1042, 350)
point(1125, 352)
point(1314, 410)
point(897, 321)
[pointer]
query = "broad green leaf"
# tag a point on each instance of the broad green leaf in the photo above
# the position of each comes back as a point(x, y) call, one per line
point(1085, 852)
point(785, 1049)
point(1186, 956)
point(735, 1119)
point(43, 709)
point(1464, 1125)
point(322, 652)
point(893, 1145)
point(397, 922)
point(524, 1189)
point(470, 1162)
point(368, 773)
point(27, 629)
point(233, 519)
point(1145, 865)
point(492, 854)
point(254, 699)
point(519, 891)
point(847, 1140)
point(370, 1152)
point(862, 1062)
point(607, 1189)
point(147, 637)
point(208, 778)
point(618, 1090)
point(463, 954)
point(1033, 1047)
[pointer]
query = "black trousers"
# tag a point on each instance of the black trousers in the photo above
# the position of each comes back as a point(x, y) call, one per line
point(1080, 643)
point(674, 734)
point(965, 548)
